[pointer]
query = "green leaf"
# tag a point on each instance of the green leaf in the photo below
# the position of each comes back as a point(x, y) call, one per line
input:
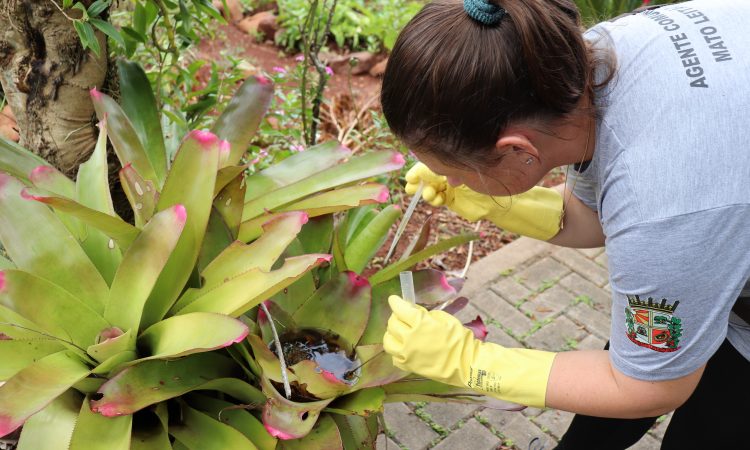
point(16, 326)
point(107, 28)
point(323, 436)
point(365, 403)
point(36, 386)
point(67, 3)
point(237, 295)
point(92, 191)
point(51, 180)
point(96, 432)
point(129, 33)
point(357, 431)
point(227, 175)
point(139, 104)
point(282, 417)
point(242, 115)
point(349, 295)
point(141, 193)
point(196, 162)
point(217, 239)
point(111, 342)
point(122, 134)
point(51, 307)
point(191, 333)
point(97, 8)
point(151, 434)
point(197, 431)
point(316, 236)
point(88, 37)
point(141, 266)
point(394, 269)
point(17, 354)
point(267, 360)
point(340, 199)
point(367, 243)
point(19, 162)
point(239, 419)
point(149, 382)
point(52, 427)
point(230, 202)
point(5, 263)
point(296, 168)
point(357, 168)
point(121, 233)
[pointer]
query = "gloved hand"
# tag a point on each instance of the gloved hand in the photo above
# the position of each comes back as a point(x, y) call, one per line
point(535, 213)
point(436, 345)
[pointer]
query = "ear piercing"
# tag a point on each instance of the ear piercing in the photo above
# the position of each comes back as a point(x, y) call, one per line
point(529, 161)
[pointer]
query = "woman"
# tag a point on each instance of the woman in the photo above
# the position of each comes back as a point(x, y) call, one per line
point(649, 110)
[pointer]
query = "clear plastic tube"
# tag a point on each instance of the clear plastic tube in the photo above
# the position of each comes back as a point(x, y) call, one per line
point(407, 287)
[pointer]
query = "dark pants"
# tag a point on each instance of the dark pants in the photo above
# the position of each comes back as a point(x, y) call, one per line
point(717, 415)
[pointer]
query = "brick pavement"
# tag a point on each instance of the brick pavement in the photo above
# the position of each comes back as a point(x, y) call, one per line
point(530, 294)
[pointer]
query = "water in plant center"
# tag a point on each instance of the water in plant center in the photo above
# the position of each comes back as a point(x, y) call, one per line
point(326, 349)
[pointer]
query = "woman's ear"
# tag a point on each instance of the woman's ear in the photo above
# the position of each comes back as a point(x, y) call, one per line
point(514, 145)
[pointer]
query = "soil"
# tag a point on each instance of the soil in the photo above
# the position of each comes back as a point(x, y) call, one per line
point(345, 91)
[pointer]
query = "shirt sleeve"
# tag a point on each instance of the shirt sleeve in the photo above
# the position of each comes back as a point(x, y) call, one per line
point(674, 282)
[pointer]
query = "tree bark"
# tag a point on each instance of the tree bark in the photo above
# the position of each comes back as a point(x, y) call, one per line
point(46, 76)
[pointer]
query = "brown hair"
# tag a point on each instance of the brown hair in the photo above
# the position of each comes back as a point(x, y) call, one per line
point(452, 84)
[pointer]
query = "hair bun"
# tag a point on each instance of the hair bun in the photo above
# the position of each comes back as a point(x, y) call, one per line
point(484, 12)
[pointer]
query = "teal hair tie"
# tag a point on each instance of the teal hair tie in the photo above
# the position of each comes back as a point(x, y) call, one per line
point(484, 12)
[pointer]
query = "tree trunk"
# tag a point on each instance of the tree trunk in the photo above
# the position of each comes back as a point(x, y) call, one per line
point(46, 76)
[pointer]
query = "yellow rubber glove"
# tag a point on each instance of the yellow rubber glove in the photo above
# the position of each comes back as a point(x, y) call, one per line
point(436, 345)
point(535, 213)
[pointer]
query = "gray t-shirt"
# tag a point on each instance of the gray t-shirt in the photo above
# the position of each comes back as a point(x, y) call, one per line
point(670, 180)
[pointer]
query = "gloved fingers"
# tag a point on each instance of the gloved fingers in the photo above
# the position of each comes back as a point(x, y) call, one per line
point(439, 199)
point(398, 329)
point(429, 193)
point(393, 347)
point(411, 188)
point(404, 311)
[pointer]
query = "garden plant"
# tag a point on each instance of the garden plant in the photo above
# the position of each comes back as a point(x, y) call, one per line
point(236, 311)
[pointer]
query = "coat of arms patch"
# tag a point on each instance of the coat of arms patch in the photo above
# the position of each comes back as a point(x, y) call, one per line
point(652, 324)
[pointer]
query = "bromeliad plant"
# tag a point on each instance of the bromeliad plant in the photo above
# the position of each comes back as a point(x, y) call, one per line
point(165, 333)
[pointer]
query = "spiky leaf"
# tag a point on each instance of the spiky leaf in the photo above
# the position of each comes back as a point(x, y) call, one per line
point(197, 431)
point(16, 354)
point(52, 427)
point(139, 104)
point(191, 333)
point(36, 386)
point(141, 266)
point(242, 116)
point(324, 436)
point(153, 381)
point(194, 163)
point(236, 417)
point(340, 199)
point(47, 249)
point(18, 161)
point(122, 134)
point(364, 245)
point(357, 168)
point(96, 432)
point(51, 307)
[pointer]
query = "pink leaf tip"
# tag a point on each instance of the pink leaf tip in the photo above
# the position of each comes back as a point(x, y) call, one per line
point(180, 212)
point(224, 146)
point(109, 333)
point(445, 284)
point(482, 234)
point(263, 80)
point(383, 195)
point(278, 433)
point(330, 377)
point(478, 327)
point(95, 94)
point(304, 218)
point(205, 138)
point(398, 159)
point(325, 258)
point(106, 409)
point(357, 281)
point(241, 337)
point(7, 425)
point(2, 281)
point(28, 196)
point(40, 172)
